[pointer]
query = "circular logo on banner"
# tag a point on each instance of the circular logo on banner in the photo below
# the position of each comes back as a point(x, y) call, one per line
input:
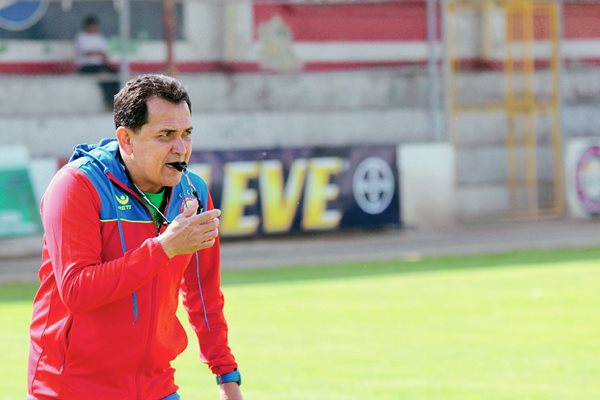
point(587, 179)
point(17, 15)
point(373, 185)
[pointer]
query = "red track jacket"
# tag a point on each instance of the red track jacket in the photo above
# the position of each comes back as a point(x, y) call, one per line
point(104, 323)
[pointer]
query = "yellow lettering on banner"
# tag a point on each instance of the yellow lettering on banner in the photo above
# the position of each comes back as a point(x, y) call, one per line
point(237, 196)
point(319, 191)
point(279, 205)
point(204, 170)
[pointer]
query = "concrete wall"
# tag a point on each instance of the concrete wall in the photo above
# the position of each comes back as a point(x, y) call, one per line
point(50, 114)
point(427, 184)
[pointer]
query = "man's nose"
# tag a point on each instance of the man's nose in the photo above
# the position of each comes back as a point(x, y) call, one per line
point(179, 146)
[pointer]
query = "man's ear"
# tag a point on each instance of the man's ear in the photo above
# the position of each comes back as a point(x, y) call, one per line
point(124, 137)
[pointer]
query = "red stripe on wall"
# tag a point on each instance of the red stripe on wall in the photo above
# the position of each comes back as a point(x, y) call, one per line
point(581, 21)
point(60, 67)
point(200, 67)
point(348, 22)
point(374, 23)
point(29, 68)
point(397, 21)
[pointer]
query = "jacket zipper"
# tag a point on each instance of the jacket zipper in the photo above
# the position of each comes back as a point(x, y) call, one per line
point(154, 280)
point(152, 301)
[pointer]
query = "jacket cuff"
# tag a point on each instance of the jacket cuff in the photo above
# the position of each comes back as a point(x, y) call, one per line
point(233, 376)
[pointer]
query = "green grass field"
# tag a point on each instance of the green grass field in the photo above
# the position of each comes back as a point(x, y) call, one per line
point(519, 326)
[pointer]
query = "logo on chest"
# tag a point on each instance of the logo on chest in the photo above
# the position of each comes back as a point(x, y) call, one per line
point(187, 202)
point(123, 201)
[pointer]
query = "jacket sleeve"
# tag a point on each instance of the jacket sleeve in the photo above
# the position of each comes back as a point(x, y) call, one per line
point(70, 212)
point(213, 339)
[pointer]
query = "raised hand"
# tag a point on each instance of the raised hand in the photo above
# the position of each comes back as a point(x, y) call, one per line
point(190, 232)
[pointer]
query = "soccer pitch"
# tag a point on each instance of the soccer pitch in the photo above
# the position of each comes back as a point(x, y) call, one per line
point(508, 326)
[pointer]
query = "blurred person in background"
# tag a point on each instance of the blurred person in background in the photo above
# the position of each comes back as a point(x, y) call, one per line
point(91, 48)
point(91, 57)
point(126, 229)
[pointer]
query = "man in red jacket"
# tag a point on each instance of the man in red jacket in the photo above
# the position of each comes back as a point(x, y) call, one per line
point(126, 229)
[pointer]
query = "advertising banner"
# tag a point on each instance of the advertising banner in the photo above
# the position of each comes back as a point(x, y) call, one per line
point(582, 177)
point(19, 213)
point(20, 15)
point(278, 191)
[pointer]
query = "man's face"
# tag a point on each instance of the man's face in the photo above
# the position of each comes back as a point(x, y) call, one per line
point(164, 139)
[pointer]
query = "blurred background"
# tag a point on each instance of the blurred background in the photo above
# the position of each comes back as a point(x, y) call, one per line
point(408, 134)
point(325, 115)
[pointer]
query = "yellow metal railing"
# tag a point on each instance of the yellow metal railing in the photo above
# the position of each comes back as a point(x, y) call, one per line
point(528, 24)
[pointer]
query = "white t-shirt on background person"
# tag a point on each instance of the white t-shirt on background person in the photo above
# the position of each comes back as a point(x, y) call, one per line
point(95, 43)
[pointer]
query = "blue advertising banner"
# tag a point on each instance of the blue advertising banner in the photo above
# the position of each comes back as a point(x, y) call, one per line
point(278, 191)
point(17, 15)
point(42, 20)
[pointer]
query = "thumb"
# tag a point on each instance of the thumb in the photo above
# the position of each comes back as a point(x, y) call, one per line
point(189, 208)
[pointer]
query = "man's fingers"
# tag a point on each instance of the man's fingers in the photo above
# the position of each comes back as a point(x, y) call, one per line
point(210, 239)
point(191, 232)
point(207, 231)
point(207, 216)
point(208, 243)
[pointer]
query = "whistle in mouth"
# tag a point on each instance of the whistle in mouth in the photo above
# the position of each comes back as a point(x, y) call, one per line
point(179, 166)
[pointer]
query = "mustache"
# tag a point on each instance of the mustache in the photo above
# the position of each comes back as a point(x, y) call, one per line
point(179, 165)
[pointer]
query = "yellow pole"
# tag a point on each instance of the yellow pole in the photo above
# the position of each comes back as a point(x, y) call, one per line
point(511, 142)
point(529, 109)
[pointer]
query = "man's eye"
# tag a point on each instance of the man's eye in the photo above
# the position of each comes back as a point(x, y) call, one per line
point(165, 134)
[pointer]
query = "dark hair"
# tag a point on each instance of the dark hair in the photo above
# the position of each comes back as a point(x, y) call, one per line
point(90, 20)
point(131, 110)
